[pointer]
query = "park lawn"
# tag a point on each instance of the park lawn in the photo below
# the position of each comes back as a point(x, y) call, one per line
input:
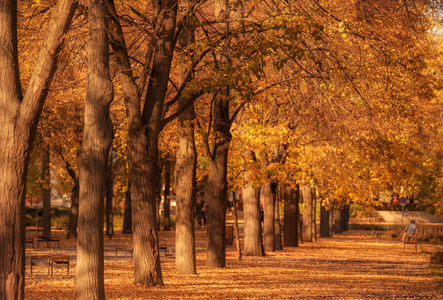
point(351, 265)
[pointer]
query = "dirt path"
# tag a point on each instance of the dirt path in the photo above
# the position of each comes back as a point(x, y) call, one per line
point(348, 266)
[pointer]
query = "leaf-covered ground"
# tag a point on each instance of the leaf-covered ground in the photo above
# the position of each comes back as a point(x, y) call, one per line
point(348, 266)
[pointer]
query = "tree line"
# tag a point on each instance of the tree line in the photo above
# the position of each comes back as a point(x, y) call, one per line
point(335, 101)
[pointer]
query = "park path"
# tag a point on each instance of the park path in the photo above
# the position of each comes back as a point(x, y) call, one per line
point(347, 266)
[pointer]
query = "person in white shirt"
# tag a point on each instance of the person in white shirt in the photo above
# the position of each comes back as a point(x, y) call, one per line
point(409, 231)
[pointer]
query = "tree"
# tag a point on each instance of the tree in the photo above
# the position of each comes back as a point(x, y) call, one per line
point(291, 216)
point(186, 158)
point(253, 230)
point(18, 121)
point(46, 180)
point(93, 157)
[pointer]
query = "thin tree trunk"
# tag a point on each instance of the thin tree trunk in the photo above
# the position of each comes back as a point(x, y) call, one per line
point(268, 220)
point(18, 122)
point(252, 231)
point(127, 214)
point(92, 160)
point(237, 231)
point(46, 179)
point(277, 221)
point(166, 202)
point(307, 213)
point(73, 211)
point(314, 216)
point(186, 162)
point(291, 217)
point(109, 198)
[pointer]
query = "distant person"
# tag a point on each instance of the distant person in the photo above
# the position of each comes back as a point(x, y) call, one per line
point(409, 231)
point(204, 215)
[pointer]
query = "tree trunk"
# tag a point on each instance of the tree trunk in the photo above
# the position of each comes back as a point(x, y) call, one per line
point(217, 185)
point(268, 220)
point(314, 216)
point(236, 230)
point(307, 213)
point(252, 231)
point(109, 199)
point(18, 122)
point(166, 202)
point(338, 220)
point(127, 214)
point(277, 223)
point(325, 231)
point(346, 217)
point(73, 211)
point(331, 218)
point(186, 163)
point(92, 159)
point(46, 181)
point(291, 217)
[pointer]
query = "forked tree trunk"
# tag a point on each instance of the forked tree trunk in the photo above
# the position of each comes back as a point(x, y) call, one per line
point(291, 217)
point(252, 230)
point(18, 122)
point(217, 186)
point(92, 160)
point(186, 163)
point(46, 180)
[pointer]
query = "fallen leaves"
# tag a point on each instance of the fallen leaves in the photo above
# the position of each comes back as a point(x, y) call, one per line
point(348, 266)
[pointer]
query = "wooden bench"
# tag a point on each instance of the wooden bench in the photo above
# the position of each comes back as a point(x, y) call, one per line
point(48, 239)
point(49, 261)
point(128, 250)
point(412, 240)
point(30, 241)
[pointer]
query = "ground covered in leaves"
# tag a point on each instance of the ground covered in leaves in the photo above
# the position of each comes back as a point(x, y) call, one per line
point(351, 265)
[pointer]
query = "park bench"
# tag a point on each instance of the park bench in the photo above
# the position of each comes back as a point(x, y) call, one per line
point(49, 261)
point(127, 249)
point(30, 240)
point(412, 240)
point(48, 239)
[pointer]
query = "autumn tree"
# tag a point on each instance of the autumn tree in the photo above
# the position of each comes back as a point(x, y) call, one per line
point(18, 122)
point(92, 160)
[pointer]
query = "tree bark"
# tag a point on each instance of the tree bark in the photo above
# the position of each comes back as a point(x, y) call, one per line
point(18, 119)
point(307, 213)
point(338, 220)
point(166, 202)
point(252, 232)
point(186, 162)
point(46, 181)
point(92, 160)
point(291, 217)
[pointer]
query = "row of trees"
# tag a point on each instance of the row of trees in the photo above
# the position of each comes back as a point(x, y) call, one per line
point(338, 96)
